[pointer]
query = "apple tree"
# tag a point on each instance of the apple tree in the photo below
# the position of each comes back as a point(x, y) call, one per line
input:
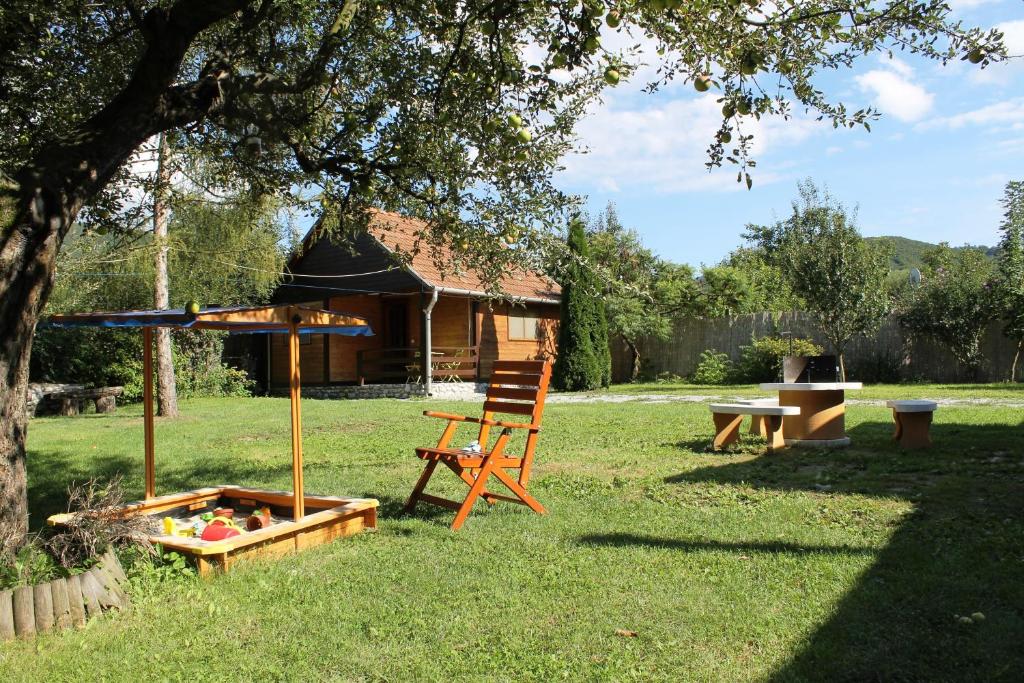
point(449, 110)
point(839, 277)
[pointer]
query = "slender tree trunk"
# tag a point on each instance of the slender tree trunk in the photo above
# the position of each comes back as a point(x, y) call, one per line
point(634, 356)
point(1016, 357)
point(167, 389)
point(842, 366)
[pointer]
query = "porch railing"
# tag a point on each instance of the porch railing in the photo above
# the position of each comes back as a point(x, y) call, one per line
point(448, 364)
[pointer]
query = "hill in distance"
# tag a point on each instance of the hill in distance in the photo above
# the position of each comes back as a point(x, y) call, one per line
point(908, 253)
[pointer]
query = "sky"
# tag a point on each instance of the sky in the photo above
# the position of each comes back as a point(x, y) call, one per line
point(932, 168)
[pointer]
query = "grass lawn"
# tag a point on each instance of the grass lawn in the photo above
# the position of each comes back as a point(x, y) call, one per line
point(807, 565)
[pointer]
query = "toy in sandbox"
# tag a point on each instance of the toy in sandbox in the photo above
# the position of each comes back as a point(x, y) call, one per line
point(219, 524)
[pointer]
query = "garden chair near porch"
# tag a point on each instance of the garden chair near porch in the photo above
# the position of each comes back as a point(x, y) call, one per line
point(516, 388)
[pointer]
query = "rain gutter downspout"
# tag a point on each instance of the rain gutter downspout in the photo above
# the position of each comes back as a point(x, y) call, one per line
point(427, 364)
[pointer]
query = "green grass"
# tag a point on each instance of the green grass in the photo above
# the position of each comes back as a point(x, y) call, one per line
point(847, 564)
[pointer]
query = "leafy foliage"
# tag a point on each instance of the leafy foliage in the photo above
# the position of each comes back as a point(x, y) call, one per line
point(1010, 262)
point(839, 277)
point(642, 292)
point(583, 361)
point(761, 360)
point(713, 368)
point(436, 109)
point(723, 291)
point(768, 289)
point(955, 301)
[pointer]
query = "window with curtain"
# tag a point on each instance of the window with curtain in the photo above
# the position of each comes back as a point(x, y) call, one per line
point(523, 324)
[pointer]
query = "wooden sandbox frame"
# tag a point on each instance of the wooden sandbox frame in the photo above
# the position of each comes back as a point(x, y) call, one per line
point(330, 517)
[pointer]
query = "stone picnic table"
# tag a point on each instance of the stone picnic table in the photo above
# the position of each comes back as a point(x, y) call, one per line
point(822, 418)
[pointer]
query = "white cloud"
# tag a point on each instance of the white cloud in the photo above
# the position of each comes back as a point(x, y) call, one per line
point(662, 146)
point(1006, 115)
point(960, 5)
point(1013, 36)
point(833, 150)
point(895, 94)
point(897, 65)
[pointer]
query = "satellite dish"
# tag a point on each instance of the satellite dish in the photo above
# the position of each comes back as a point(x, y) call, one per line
point(915, 277)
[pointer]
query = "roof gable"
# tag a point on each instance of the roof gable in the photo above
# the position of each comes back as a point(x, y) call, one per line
point(396, 232)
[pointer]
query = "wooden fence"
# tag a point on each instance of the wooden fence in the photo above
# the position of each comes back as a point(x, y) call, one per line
point(886, 356)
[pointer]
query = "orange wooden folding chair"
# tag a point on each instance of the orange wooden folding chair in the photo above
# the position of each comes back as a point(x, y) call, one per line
point(517, 387)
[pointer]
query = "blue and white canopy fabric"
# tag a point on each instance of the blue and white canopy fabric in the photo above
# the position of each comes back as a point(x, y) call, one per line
point(248, 320)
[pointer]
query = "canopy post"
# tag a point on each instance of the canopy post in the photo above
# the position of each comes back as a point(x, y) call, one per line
point(147, 407)
point(298, 498)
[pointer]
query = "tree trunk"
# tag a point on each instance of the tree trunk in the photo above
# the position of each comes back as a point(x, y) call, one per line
point(39, 206)
point(842, 366)
point(1016, 357)
point(167, 389)
point(634, 356)
point(33, 221)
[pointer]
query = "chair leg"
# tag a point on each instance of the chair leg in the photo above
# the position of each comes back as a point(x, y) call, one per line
point(520, 492)
point(474, 492)
point(727, 428)
point(421, 484)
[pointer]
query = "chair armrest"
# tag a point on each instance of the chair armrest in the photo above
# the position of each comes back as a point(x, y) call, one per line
point(449, 416)
point(507, 425)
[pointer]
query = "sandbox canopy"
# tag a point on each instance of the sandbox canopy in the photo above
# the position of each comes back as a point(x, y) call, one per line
point(254, 319)
point(291, 319)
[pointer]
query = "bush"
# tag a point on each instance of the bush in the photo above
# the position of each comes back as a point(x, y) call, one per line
point(761, 361)
point(199, 370)
point(713, 368)
point(100, 357)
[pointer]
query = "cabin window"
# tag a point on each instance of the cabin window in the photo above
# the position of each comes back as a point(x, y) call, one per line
point(523, 324)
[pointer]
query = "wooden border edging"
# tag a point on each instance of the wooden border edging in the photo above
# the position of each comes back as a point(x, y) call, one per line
point(63, 603)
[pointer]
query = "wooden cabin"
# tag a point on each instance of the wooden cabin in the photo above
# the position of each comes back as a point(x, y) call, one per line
point(415, 309)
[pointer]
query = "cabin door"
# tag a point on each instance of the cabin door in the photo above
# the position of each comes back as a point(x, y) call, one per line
point(396, 324)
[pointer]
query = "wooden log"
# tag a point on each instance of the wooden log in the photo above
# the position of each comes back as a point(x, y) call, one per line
point(76, 603)
point(43, 599)
point(110, 584)
point(107, 597)
point(6, 615)
point(61, 608)
point(69, 406)
point(113, 566)
point(106, 404)
point(24, 612)
point(90, 594)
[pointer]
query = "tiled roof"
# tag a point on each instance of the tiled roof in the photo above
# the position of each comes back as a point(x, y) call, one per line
point(394, 230)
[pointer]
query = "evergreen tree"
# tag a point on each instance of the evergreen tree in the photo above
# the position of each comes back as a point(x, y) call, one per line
point(1011, 267)
point(584, 361)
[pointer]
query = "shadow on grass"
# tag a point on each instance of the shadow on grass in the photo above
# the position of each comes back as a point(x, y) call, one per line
point(960, 552)
point(620, 540)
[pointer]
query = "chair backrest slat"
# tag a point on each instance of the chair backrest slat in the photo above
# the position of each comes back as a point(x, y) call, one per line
point(517, 387)
point(516, 379)
point(509, 407)
point(512, 393)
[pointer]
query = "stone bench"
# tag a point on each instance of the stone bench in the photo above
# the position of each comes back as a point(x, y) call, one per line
point(913, 420)
point(729, 416)
point(71, 401)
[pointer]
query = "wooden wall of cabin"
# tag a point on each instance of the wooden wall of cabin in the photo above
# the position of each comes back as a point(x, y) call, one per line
point(343, 350)
point(311, 359)
point(452, 327)
point(492, 324)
